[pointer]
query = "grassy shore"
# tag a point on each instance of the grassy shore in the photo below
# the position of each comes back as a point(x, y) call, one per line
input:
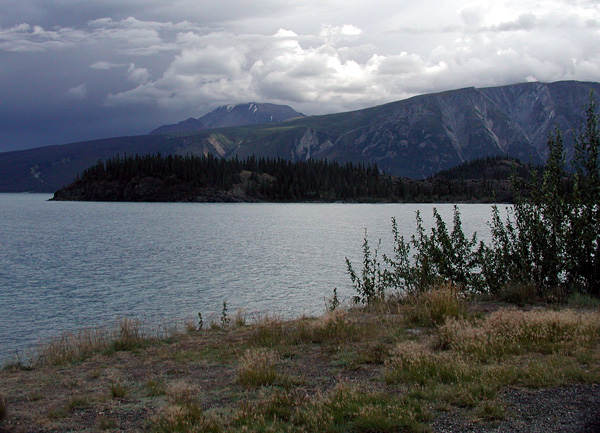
point(396, 366)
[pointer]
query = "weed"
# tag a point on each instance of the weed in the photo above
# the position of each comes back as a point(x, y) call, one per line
point(117, 390)
point(492, 411)
point(57, 413)
point(184, 414)
point(370, 284)
point(268, 331)
point(349, 408)
point(412, 362)
point(257, 367)
point(239, 318)
point(200, 321)
point(129, 335)
point(435, 306)
point(73, 347)
point(35, 396)
point(184, 418)
point(78, 402)
point(182, 393)
point(107, 423)
point(156, 387)
point(333, 303)
point(578, 299)
point(224, 316)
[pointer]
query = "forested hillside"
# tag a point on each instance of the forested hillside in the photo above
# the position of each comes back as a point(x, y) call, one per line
point(207, 178)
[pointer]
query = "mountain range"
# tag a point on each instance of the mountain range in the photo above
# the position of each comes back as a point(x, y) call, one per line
point(413, 138)
point(225, 116)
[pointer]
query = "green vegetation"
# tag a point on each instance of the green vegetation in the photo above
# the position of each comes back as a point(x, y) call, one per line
point(118, 390)
point(208, 178)
point(546, 249)
point(423, 340)
point(392, 365)
point(127, 335)
point(257, 367)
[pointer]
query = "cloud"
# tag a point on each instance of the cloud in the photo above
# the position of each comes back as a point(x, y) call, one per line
point(78, 92)
point(148, 62)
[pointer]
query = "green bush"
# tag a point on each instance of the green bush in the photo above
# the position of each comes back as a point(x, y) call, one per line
point(546, 248)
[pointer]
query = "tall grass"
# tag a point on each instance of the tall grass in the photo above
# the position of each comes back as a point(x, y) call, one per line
point(184, 413)
point(71, 347)
point(256, 367)
point(434, 307)
point(513, 332)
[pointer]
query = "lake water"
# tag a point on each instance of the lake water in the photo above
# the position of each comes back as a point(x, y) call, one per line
point(69, 265)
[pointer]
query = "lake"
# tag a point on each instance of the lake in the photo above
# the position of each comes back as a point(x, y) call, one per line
point(69, 265)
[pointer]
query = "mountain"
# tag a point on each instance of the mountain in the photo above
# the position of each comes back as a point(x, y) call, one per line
point(422, 135)
point(233, 115)
point(414, 138)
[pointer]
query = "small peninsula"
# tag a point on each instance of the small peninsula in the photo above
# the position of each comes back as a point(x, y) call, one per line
point(153, 178)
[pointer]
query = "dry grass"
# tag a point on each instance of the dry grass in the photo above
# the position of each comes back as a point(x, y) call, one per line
point(364, 369)
point(435, 306)
point(513, 332)
point(468, 362)
point(256, 367)
point(71, 347)
point(117, 390)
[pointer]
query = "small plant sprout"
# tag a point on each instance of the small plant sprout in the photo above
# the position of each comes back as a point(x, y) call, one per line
point(334, 302)
point(224, 316)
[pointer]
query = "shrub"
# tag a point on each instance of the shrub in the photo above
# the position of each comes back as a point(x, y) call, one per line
point(370, 284)
point(257, 367)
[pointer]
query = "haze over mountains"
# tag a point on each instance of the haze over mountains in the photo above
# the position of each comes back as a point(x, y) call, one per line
point(414, 138)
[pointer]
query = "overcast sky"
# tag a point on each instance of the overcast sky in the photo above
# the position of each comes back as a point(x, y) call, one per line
point(75, 70)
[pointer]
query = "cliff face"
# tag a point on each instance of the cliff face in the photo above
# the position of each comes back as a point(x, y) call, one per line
point(422, 135)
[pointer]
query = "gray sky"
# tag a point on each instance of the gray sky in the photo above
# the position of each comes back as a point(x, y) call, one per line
point(82, 69)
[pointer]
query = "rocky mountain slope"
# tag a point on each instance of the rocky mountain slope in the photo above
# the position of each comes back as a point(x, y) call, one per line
point(233, 115)
point(414, 138)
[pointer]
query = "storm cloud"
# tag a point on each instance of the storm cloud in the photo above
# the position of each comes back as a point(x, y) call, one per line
point(75, 70)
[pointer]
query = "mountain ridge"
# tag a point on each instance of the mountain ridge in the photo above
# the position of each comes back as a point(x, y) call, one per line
point(414, 138)
point(250, 113)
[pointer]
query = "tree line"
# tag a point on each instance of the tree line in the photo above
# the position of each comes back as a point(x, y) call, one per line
point(178, 178)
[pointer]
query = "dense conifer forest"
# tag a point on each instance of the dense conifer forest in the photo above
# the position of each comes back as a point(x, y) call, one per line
point(208, 178)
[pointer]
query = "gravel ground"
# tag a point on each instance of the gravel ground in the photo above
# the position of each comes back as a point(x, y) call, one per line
point(568, 409)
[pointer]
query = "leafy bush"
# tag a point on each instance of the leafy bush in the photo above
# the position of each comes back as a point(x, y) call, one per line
point(546, 248)
point(370, 285)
